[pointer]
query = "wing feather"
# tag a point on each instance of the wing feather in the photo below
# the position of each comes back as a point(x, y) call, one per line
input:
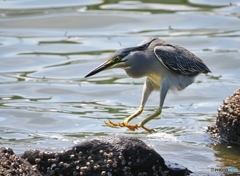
point(179, 60)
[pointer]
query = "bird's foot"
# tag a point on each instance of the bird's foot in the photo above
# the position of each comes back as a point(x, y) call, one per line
point(122, 124)
point(132, 127)
point(148, 130)
point(112, 124)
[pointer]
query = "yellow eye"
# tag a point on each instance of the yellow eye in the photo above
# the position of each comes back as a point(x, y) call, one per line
point(117, 59)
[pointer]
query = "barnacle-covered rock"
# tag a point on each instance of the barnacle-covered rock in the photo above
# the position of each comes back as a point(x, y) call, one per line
point(11, 164)
point(105, 156)
point(227, 126)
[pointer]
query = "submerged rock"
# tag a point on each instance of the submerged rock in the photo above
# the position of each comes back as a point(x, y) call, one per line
point(109, 156)
point(11, 164)
point(227, 126)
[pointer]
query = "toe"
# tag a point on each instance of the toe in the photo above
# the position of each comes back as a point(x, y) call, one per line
point(145, 128)
point(111, 124)
point(122, 124)
point(153, 131)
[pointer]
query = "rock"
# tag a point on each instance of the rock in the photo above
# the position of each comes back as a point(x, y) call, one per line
point(227, 126)
point(109, 156)
point(11, 164)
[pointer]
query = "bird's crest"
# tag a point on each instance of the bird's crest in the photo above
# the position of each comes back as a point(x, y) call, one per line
point(118, 55)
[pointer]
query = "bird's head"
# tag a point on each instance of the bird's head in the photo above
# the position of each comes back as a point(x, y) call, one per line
point(119, 59)
point(115, 60)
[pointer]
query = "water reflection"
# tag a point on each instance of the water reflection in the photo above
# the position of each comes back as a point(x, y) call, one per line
point(227, 155)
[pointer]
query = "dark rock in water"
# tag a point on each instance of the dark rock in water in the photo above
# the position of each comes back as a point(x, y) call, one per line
point(11, 164)
point(176, 169)
point(227, 126)
point(109, 156)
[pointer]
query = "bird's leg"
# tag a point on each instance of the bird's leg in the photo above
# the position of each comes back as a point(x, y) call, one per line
point(163, 92)
point(141, 124)
point(147, 89)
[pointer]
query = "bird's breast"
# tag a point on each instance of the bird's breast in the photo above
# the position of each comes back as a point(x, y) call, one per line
point(156, 80)
point(134, 73)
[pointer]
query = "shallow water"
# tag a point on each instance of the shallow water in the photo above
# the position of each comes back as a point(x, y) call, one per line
point(46, 49)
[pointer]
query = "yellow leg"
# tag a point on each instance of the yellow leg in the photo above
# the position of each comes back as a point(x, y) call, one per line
point(141, 124)
point(147, 89)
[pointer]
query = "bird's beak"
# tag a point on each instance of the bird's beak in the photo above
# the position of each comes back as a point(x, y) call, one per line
point(106, 65)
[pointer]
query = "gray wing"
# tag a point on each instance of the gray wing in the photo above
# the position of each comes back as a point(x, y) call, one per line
point(179, 60)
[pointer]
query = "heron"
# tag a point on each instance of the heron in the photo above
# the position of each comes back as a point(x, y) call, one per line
point(166, 66)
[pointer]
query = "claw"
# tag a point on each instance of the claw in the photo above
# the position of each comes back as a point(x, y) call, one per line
point(153, 131)
point(147, 129)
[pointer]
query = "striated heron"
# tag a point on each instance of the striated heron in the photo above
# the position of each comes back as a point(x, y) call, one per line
point(165, 66)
